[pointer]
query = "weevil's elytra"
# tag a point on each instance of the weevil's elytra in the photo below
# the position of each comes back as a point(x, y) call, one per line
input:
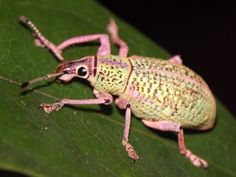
point(165, 95)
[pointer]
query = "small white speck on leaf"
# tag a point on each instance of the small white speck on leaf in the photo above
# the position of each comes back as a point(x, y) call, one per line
point(22, 102)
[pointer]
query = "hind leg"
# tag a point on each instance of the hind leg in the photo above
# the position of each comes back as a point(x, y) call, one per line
point(176, 60)
point(175, 127)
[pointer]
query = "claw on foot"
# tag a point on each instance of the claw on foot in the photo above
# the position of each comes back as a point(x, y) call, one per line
point(130, 150)
point(196, 161)
point(48, 108)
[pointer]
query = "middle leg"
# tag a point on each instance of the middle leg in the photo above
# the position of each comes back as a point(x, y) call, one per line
point(124, 104)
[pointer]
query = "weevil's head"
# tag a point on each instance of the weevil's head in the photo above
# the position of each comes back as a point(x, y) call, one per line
point(82, 68)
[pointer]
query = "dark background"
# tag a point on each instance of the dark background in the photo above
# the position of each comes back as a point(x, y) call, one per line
point(204, 33)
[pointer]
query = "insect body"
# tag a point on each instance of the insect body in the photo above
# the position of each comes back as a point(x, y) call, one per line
point(158, 90)
point(166, 95)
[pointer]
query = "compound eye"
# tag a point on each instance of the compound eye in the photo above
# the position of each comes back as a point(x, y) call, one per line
point(82, 71)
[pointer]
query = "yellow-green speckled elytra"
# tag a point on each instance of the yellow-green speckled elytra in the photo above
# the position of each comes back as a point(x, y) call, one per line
point(165, 94)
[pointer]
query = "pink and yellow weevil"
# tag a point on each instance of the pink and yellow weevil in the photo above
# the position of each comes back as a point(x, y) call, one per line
point(166, 95)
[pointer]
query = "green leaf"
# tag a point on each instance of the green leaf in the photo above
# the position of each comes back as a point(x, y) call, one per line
point(85, 141)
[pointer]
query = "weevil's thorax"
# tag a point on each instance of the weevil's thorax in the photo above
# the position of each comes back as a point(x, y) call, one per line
point(112, 73)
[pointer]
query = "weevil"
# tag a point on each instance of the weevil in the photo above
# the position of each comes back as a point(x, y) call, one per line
point(164, 94)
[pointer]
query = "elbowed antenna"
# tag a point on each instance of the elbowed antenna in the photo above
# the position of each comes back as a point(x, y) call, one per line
point(48, 76)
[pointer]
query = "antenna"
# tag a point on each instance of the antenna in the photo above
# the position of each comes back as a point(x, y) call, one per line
point(48, 76)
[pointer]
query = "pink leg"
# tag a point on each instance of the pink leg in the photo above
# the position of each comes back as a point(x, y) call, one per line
point(197, 161)
point(123, 104)
point(104, 48)
point(176, 60)
point(102, 98)
point(113, 30)
point(175, 127)
point(40, 39)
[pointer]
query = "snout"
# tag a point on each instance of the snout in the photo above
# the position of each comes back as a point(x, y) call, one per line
point(66, 77)
point(61, 67)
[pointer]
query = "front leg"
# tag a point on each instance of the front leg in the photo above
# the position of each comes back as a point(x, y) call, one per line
point(102, 98)
point(40, 40)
